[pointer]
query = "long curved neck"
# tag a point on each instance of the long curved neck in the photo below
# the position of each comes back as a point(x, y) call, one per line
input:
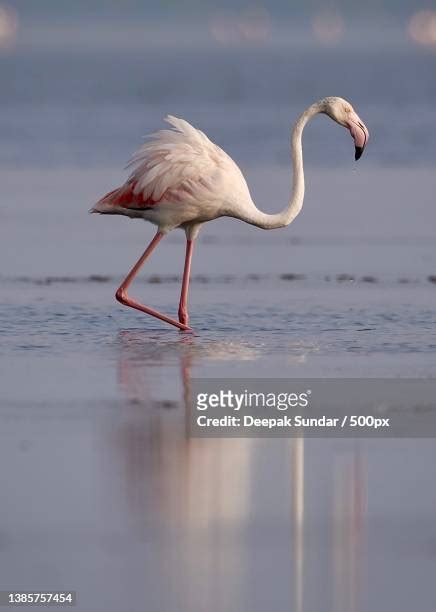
point(286, 216)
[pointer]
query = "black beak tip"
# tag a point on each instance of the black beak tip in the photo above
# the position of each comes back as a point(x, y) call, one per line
point(358, 153)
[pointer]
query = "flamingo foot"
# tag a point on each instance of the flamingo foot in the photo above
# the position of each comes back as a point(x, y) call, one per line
point(183, 316)
point(122, 297)
point(184, 319)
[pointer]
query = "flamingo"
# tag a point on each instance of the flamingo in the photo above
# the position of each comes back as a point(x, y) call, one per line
point(181, 179)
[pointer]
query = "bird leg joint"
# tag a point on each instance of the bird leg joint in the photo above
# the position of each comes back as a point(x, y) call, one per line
point(121, 296)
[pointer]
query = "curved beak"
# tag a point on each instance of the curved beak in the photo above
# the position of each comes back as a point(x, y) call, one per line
point(360, 134)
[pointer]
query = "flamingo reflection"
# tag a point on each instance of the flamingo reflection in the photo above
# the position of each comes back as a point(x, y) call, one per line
point(202, 507)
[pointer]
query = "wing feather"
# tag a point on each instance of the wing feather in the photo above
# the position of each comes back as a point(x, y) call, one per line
point(172, 157)
point(181, 165)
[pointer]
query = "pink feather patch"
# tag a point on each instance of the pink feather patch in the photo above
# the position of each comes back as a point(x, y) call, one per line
point(125, 197)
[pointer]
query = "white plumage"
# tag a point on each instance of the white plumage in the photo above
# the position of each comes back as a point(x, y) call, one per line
point(172, 157)
point(178, 176)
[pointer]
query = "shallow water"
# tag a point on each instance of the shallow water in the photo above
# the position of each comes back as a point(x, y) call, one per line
point(102, 491)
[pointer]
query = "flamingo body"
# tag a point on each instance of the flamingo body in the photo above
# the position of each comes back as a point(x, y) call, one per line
point(179, 178)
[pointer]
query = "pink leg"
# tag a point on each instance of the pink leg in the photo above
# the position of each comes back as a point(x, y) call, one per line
point(121, 294)
point(183, 305)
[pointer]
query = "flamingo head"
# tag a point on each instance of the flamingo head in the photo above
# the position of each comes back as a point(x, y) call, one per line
point(343, 113)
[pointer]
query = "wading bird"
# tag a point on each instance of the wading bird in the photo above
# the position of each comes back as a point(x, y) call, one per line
point(182, 179)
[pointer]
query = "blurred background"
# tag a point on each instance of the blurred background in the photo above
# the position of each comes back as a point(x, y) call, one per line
point(83, 81)
point(102, 491)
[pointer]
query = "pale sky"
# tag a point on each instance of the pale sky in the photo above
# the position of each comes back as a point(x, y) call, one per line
point(130, 8)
